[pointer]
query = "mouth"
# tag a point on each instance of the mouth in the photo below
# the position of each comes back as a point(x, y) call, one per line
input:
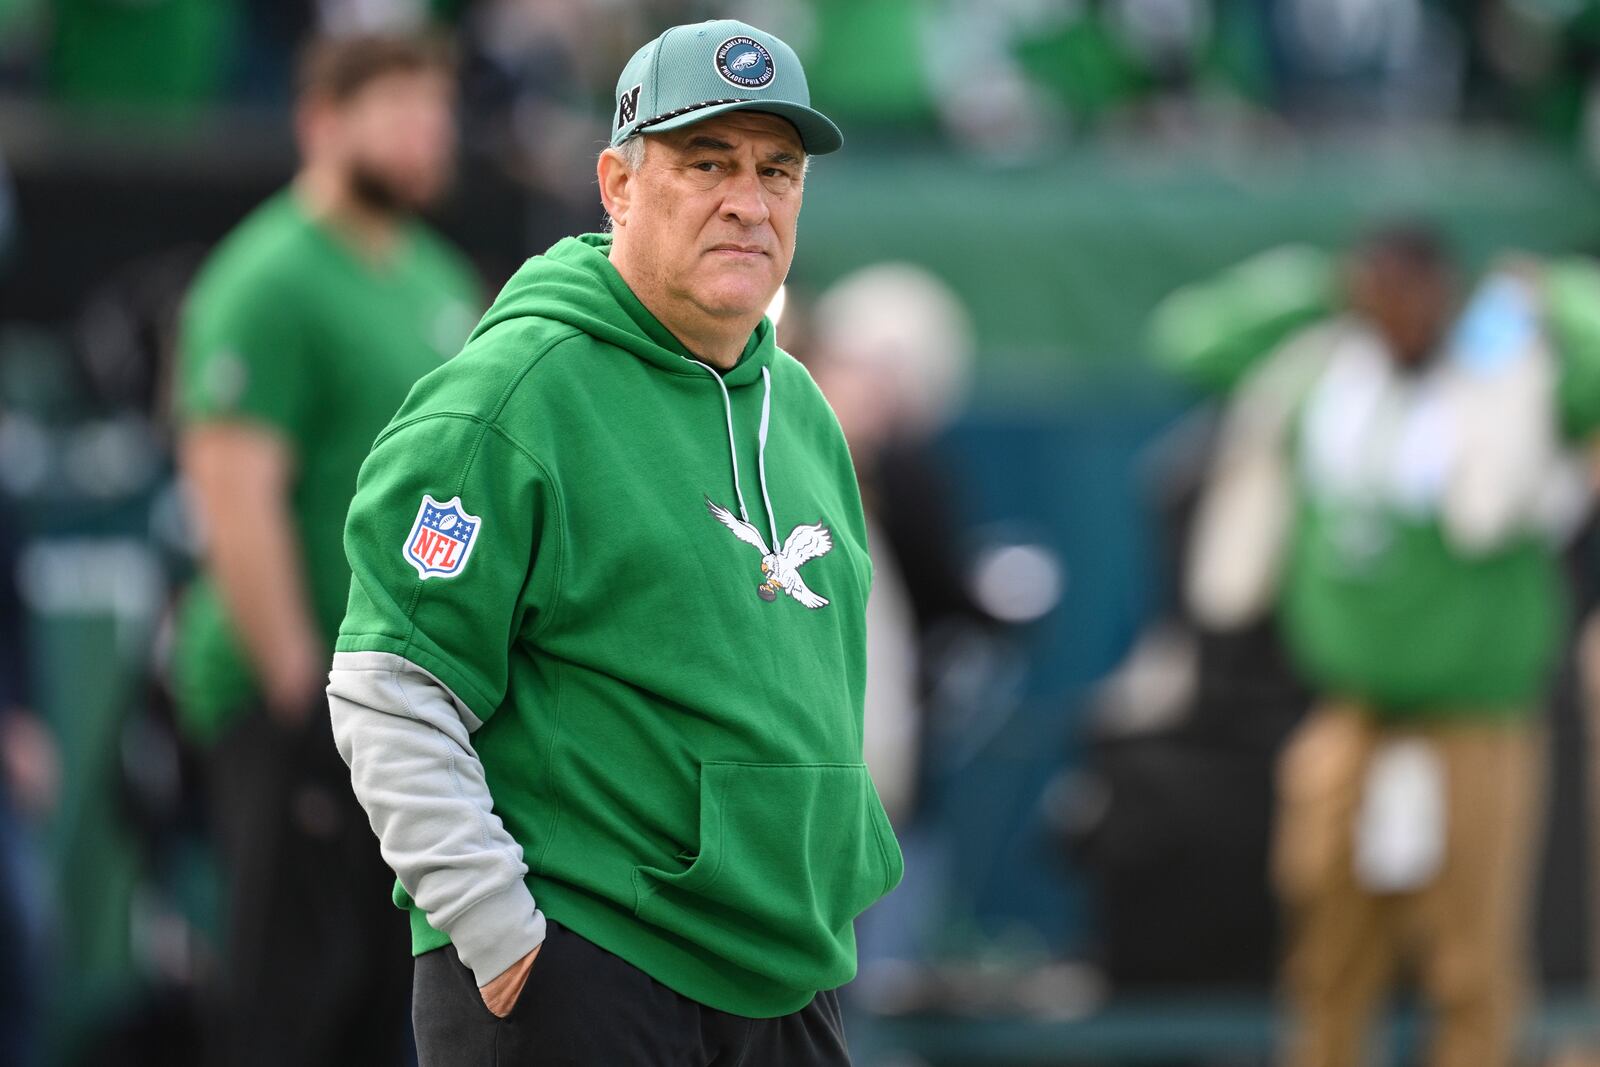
point(738, 252)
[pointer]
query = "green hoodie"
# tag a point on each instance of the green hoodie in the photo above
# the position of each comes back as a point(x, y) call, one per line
point(671, 714)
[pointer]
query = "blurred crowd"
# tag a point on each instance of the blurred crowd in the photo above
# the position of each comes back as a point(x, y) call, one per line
point(1000, 77)
point(1376, 550)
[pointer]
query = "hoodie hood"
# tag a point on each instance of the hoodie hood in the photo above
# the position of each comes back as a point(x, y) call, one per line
point(574, 283)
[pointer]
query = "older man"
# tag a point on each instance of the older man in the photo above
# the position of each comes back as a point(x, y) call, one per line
point(600, 682)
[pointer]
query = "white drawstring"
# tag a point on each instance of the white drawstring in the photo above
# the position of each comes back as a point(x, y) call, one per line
point(761, 446)
point(761, 452)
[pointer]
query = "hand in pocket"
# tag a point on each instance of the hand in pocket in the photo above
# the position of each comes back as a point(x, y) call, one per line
point(501, 994)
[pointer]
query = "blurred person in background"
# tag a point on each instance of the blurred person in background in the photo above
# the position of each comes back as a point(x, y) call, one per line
point(30, 786)
point(1397, 490)
point(891, 347)
point(300, 338)
point(30, 775)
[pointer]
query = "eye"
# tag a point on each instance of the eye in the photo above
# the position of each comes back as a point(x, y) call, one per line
point(705, 165)
point(778, 180)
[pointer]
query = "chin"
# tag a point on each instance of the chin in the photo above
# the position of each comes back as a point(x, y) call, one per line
point(424, 199)
point(418, 190)
point(734, 301)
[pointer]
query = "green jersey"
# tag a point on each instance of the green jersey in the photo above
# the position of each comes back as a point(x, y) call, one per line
point(644, 582)
point(289, 328)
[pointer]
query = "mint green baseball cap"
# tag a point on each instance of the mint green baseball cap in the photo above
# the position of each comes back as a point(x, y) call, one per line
point(691, 73)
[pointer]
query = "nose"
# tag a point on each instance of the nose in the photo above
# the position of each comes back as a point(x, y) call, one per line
point(745, 200)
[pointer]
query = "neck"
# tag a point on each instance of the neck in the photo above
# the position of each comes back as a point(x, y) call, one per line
point(717, 340)
point(325, 194)
point(716, 343)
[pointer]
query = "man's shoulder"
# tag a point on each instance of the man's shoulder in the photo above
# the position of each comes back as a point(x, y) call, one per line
point(1565, 277)
point(794, 379)
point(443, 259)
point(787, 368)
point(498, 363)
point(265, 252)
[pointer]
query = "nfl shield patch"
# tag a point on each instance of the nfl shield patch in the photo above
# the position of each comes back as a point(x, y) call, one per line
point(441, 539)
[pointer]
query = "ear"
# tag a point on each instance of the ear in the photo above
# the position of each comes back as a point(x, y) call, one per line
point(616, 185)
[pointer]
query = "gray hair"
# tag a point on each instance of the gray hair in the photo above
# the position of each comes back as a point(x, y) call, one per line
point(632, 152)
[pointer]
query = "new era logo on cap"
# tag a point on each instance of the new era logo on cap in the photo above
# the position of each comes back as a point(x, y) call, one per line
point(628, 106)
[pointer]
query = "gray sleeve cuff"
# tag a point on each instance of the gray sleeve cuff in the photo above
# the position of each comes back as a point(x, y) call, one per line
point(497, 931)
point(408, 743)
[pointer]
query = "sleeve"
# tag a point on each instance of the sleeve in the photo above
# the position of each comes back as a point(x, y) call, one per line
point(1212, 332)
point(444, 540)
point(414, 770)
point(243, 354)
point(1571, 296)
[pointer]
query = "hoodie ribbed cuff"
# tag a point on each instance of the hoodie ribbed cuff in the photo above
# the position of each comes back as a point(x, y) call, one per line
point(497, 931)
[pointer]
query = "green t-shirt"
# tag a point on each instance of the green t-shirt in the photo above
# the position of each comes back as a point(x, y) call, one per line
point(289, 327)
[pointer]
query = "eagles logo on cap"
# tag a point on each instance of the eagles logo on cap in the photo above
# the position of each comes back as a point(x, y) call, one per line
point(745, 62)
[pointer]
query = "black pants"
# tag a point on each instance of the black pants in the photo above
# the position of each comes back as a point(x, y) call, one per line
point(585, 1007)
point(315, 967)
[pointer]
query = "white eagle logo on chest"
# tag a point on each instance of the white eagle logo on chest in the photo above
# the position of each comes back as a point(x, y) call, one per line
point(782, 568)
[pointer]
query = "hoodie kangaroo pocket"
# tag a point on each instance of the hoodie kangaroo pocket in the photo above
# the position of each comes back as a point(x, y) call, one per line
point(789, 855)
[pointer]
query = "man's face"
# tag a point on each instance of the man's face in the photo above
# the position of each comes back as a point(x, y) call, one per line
point(396, 139)
point(712, 211)
point(1408, 302)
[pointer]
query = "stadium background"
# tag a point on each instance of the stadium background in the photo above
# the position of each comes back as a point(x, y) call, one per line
point(1061, 164)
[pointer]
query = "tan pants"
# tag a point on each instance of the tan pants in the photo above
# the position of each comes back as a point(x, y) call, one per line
point(1463, 934)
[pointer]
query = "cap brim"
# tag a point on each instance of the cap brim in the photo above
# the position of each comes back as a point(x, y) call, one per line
point(818, 134)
